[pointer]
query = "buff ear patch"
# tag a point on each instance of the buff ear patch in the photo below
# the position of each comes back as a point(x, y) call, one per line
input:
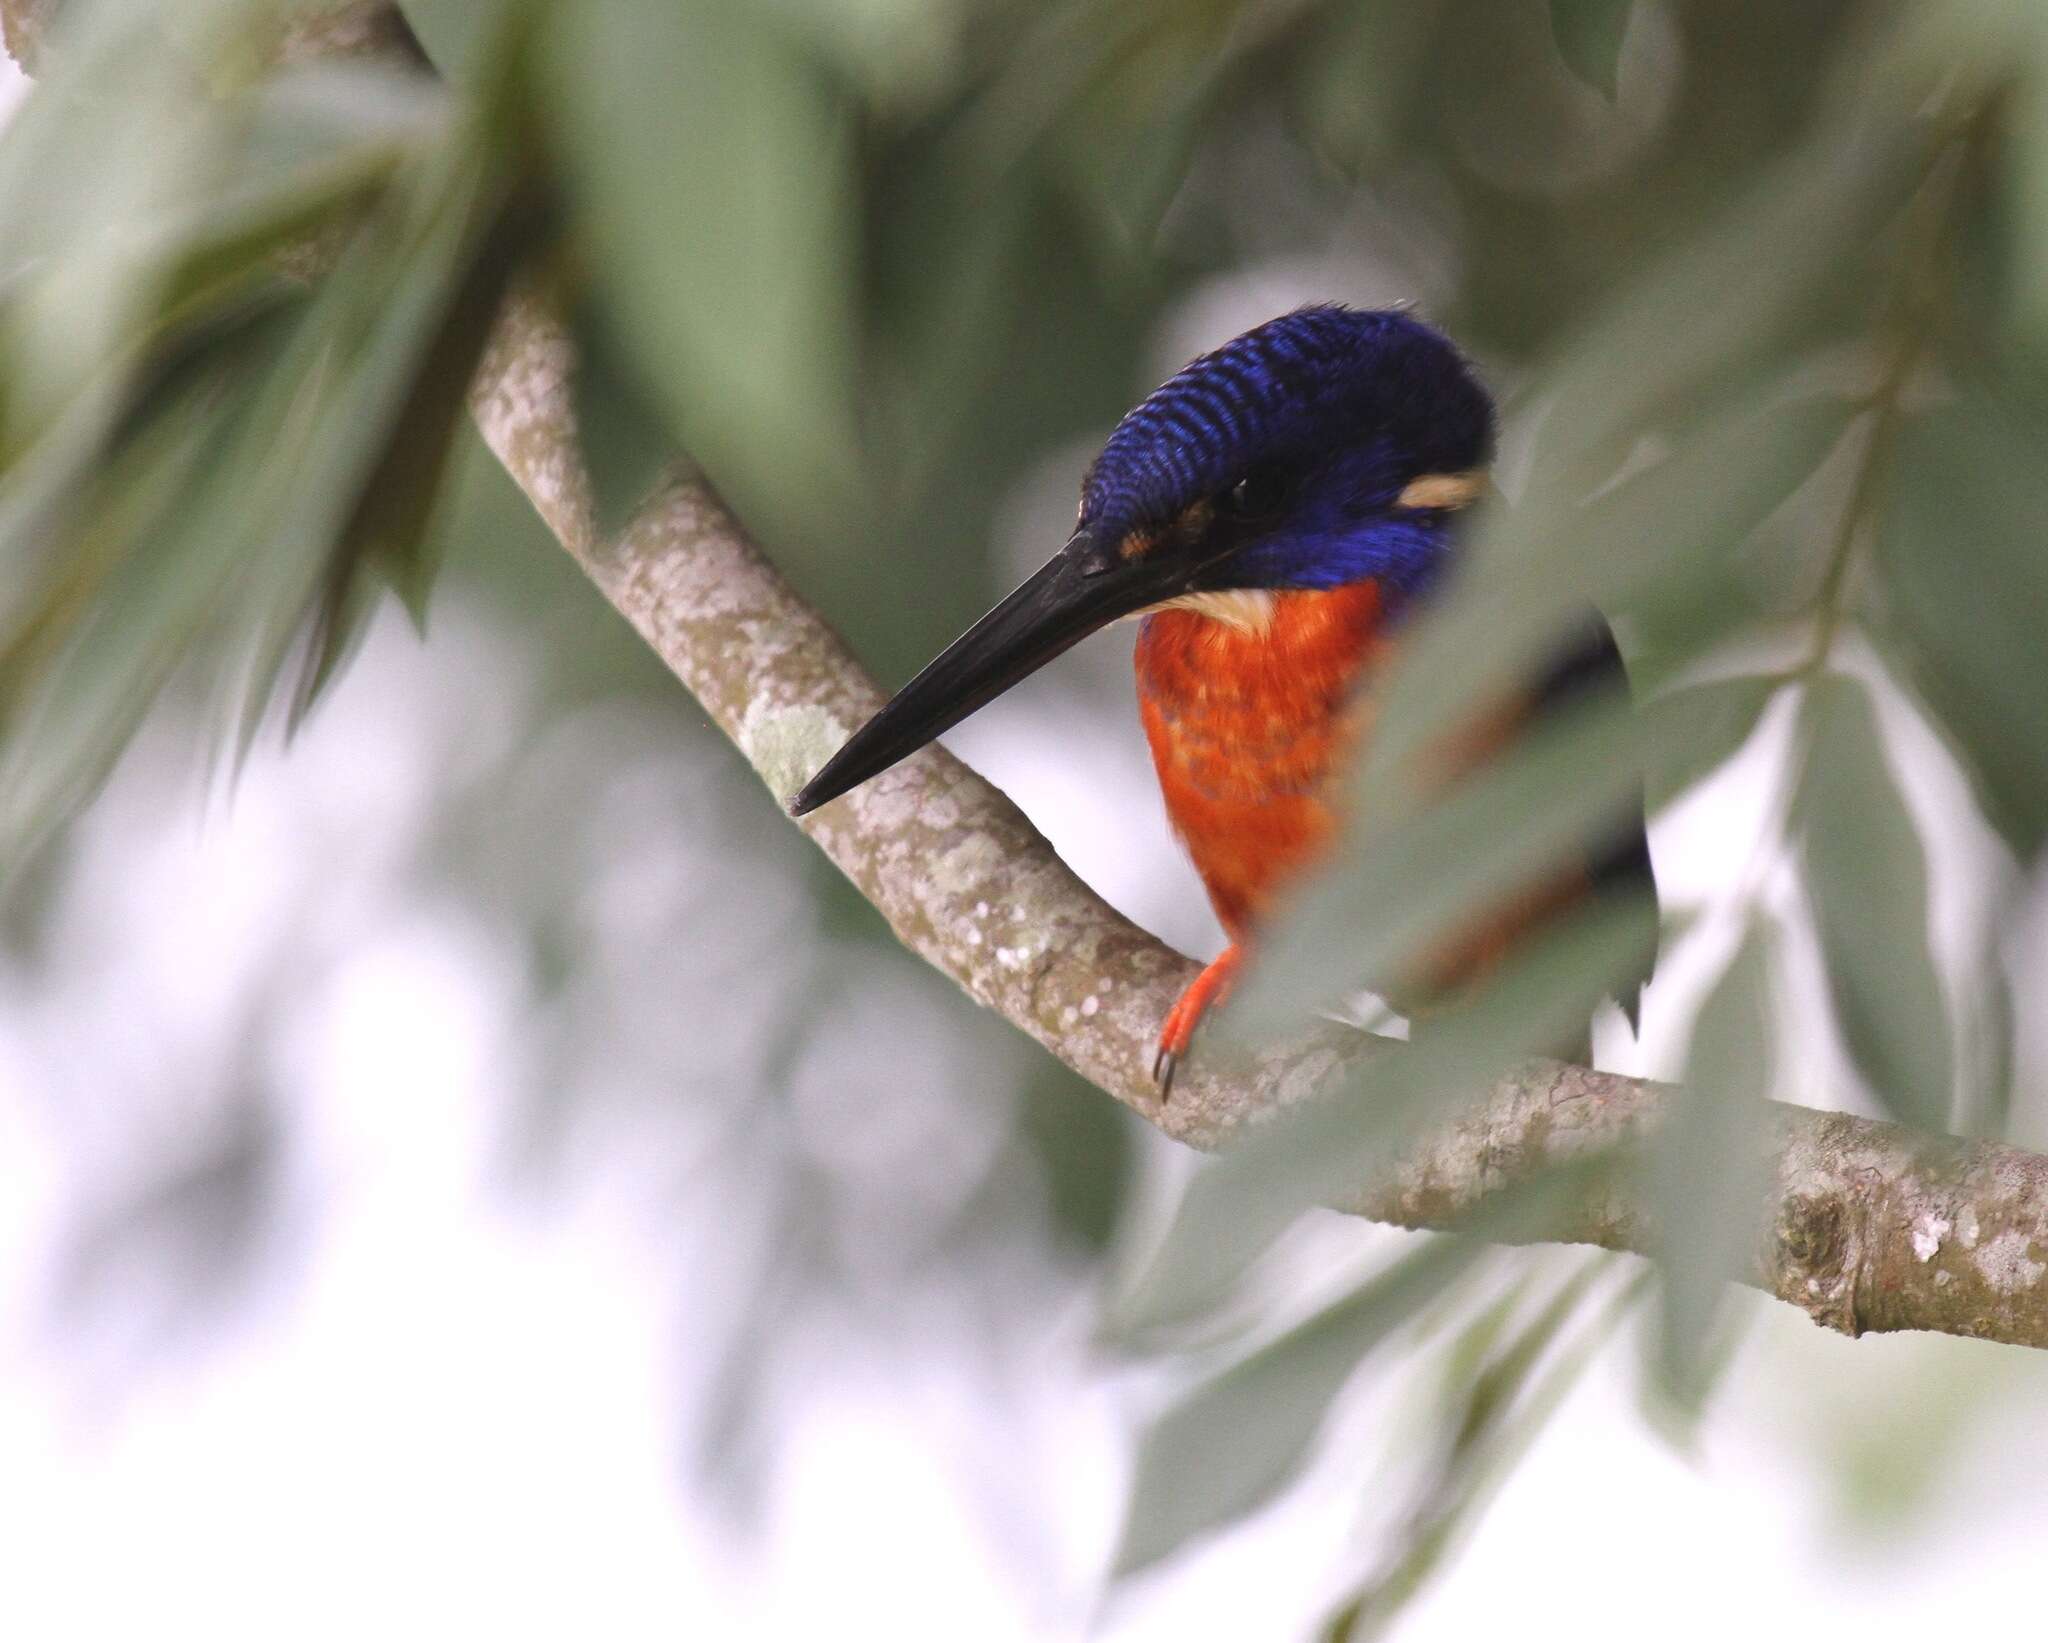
point(1443, 491)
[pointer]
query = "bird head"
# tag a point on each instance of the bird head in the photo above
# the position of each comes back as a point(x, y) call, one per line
point(1325, 447)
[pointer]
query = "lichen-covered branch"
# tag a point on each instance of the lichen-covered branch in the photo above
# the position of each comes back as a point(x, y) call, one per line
point(962, 876)
point(1867, 1226)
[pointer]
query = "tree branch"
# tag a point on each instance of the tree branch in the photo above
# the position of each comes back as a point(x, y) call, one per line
point(1867, 1226)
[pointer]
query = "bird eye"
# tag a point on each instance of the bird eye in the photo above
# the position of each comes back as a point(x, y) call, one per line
point(1259, 492)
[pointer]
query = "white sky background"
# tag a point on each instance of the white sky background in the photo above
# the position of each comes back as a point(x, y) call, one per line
point(451, 1409)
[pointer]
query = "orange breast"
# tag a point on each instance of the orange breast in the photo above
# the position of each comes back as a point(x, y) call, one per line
point(1247, 731)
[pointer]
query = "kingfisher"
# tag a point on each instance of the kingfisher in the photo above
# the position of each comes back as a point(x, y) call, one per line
point(1275, 513)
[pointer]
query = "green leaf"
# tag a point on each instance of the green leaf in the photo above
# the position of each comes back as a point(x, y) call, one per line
point(458, 36)
point(1992, 56)
point(280, 452)
point(146, 574)
point(1330, 1148)
point(313, 142)
point(1589, 36)
point(626, 443)
point(1402, 888)
point(710, 163)
point(122, 132)
point(1708, 1170)
point(198, 187)
point(1866, 877)
point(1232, 1442)
point(1985, 1040)
point(1965, 581)
point(1127, 133)
point(1493, 1415)
point(1535, 569)
point(1761, 284)
point(386, 532)
point(1689, 733)
point(388, 524)
point(2029, 186)
point(1361, 71)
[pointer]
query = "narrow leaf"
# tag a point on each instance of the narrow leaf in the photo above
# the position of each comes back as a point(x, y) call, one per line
point(1729, 305)
point(2027, 114)
point(1333, 1147)
point(1986, 1042)
point(1965, 582)
point(1535, 569)
point(1402, 891)
point(1589, 36)
point(711, 168)
point(1234, 1441)
point(626, 441)
point(1691, 732)
point(460, 36)
point(1707, 1170)
point(1866, 877)
point(388, 525)
point(1506, 1410)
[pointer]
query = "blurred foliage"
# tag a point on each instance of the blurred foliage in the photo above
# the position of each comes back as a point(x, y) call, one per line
point(1590, 35)
point(1764, 294)
point(1496, 1396)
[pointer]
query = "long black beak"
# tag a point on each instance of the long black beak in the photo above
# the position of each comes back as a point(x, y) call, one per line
point(1084, 587)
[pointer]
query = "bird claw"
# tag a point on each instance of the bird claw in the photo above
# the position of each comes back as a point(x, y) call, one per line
point(1164, 1065)
point(1209, 988)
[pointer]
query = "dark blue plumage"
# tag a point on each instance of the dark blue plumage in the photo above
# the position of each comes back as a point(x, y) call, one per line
point(1275, 509)
point(1333, 412)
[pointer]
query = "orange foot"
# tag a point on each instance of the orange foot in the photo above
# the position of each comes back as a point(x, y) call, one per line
point(1208, 989)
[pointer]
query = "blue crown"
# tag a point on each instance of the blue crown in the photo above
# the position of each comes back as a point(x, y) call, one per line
point(1297, 389)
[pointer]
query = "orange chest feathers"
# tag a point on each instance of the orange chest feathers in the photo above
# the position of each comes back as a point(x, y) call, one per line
point(1248, 721)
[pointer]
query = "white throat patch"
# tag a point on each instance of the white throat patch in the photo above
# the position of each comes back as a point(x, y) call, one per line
point(1248, 610)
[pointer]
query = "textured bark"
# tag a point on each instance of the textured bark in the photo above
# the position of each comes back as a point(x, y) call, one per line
point(961, 875)
point(1867, 1226)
